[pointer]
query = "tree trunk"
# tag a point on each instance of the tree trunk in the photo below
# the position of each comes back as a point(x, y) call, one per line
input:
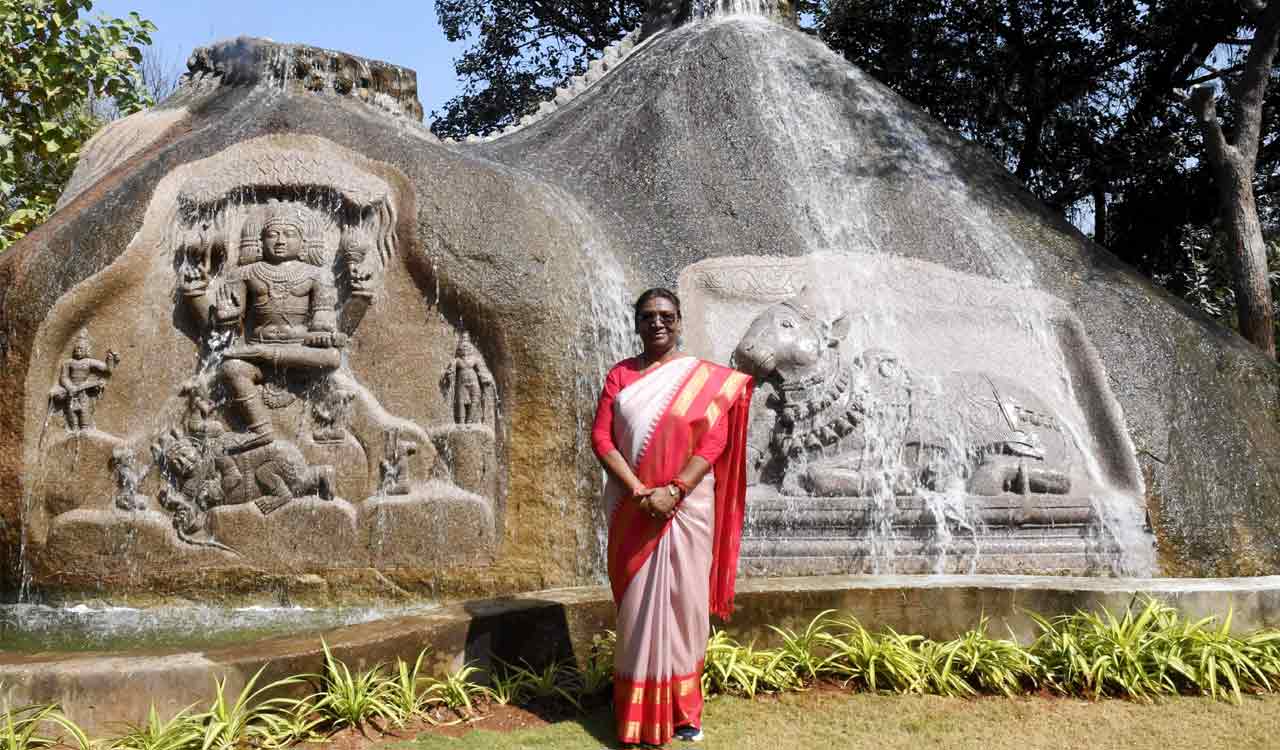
point(1100, 214)
point(1249, 257)
point(1234, 164)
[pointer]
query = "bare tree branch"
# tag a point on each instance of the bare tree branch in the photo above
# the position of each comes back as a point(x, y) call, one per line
point(1213, 76)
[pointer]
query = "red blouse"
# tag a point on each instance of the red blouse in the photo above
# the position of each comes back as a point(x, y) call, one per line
point(624, 374)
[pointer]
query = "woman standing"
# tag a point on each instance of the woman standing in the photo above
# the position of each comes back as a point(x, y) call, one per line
point(670, 430)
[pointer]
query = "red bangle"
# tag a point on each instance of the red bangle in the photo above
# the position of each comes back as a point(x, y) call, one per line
point(684, 488)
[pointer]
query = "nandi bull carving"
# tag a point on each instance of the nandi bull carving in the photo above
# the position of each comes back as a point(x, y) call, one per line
point(868, 425)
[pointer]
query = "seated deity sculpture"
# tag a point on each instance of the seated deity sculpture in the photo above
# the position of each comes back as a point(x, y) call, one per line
point(283, 302)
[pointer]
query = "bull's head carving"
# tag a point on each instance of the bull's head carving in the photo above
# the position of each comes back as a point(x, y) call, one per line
point(790, 341)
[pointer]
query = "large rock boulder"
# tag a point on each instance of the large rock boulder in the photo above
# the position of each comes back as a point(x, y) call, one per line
point(278, 333)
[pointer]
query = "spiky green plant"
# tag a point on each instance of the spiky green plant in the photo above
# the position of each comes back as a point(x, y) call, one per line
point(807, 653)
point(457, 691)
point(292, 722)
point(20, 728)
point(231, 723)
point(182, 731)
point(407, 692)
point(557, 680)
point(885, 661)
point(975, 661)
point(353, 699)
point(1219, 664)
point(1100, 654)
point(508, 685)
point(597, 673)
point(729, 667)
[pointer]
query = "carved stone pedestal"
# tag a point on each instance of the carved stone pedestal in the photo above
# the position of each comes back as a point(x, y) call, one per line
point(119, 545)
point(1032, 534)
point(468, 449)
point(434, 524)
point(305, 533)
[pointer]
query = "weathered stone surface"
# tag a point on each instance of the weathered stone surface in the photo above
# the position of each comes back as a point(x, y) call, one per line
point(739, 137)
point(176, 214)
point(426, 528)
point(257, 376)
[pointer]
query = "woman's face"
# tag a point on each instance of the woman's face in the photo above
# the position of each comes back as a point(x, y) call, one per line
point(658, 324)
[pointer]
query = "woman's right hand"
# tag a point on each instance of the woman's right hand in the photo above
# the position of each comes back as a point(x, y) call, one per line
point(638, 494)
point(641, 495)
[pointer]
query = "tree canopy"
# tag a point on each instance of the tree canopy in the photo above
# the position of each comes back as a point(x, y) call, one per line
point(54, 65)
point(520, 51)
point(1082, 100)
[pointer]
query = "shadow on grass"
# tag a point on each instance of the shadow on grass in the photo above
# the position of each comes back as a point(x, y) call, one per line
point(536, 633)
point(598, 722)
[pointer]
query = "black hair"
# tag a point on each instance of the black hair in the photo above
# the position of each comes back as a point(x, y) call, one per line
point(658, 292)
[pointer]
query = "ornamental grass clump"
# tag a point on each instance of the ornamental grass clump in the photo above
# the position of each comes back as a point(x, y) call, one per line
point(807, 653)
point(237, 722)
point(975, 662)
point(556, 681)
point(182, 731)
point(1096, 655)
point(508, 685)
point(407, 691)
point(1216, 663)
point(346, 699)
point(291, 723)
point(885, 661)
point(23, 728)
point(457, 692)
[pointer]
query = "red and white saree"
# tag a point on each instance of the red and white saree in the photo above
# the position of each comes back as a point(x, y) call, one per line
point(667, 574)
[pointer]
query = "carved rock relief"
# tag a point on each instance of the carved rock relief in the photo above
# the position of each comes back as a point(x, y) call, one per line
point(879, 383)
point(266, 430)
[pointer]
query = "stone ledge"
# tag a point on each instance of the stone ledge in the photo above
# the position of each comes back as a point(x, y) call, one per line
point(252, 61)
point(98, 690)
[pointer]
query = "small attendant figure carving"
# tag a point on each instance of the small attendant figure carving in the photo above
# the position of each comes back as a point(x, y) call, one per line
point(124, 468)
point(395, 465)
point(468, 383)
point(81, 382)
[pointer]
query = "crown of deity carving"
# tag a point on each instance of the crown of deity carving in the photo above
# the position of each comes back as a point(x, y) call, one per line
point(82, 342)
point(283, 214)
point(277, 213)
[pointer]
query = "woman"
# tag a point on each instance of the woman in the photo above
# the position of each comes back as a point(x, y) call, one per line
point(670, 430)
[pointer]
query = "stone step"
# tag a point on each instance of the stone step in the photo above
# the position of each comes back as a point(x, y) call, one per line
point(999, 511)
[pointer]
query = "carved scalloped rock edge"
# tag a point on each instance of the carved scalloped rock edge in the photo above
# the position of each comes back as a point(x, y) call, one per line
point(597, 69)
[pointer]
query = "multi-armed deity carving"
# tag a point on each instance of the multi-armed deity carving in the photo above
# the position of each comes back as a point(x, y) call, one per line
point(269, 403)
point(81, 381)
point(824, 425)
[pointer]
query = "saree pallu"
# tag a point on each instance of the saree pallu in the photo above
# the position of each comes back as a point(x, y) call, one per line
point(666, 574)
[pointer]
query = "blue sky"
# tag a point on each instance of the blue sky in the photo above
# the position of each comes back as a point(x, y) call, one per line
point(397, 31)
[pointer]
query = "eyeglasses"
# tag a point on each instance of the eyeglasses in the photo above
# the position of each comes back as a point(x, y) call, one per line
point(668, 318)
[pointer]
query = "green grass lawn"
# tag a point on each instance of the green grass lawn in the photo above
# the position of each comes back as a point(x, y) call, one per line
point(829, 720)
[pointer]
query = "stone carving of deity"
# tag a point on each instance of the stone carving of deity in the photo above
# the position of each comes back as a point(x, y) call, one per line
point(81, 381)
point(468, 384)
point(283, 302)
point(128, 477)
point(395, 464)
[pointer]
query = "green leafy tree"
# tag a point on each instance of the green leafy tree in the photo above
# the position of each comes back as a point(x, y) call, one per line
point(53, 66)
point(520, 51)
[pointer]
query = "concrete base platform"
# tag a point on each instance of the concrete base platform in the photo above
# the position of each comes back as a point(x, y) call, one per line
point(100, 690)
